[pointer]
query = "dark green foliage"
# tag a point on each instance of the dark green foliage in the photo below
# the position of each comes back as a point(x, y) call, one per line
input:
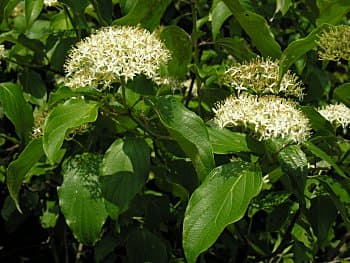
point(139, 171)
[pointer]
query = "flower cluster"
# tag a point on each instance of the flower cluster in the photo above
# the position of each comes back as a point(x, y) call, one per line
point(337, 114)
point(2, 52)
point(116, 54)
point(267, 116)
point(50, 2)
point(261, 76)
point(333, 43)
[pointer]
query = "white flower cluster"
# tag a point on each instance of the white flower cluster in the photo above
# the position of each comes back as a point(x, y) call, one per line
point(115, 54)
point(267, 116)
point(333, 43)
point(337, 114)
point(2, 52)
point(50, 2)
point(261, 76)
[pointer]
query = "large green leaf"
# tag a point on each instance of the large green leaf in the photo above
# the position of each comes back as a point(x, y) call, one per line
point(298, 48)
point(16, 109)
point(189, 131)
point(125, 169)
point(71, 114)
point(257, 29)
point(339, 195)
point(219, 13)
point(80, 197)
point(317, 121)
point(147, 13)
point(332, 11)
point(221, 200)
point(32, 9)
point(322, 215)
point(325, 156)
point(180, 45)
point(294, 164)
point(18, 169)
point(225, 141)
point(342, 93)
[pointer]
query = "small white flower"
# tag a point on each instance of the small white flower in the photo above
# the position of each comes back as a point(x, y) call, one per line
point(115, 54)
point(267, 117)
point(50, 2)
point(261, 76)
point(2, 52)
point(337, 114)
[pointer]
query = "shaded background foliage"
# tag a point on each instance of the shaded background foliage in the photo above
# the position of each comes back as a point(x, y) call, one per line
point(112, 182)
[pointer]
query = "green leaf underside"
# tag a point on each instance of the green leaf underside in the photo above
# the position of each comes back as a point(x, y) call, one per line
point(189, 131)
point(221, 200)
point(125, 168)
point(19, 168)
point(80, 197)
point(257, 29)
point(71, 114)
point(16, 109)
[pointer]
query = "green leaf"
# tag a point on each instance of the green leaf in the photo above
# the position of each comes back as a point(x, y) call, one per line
point(257, 29)
point(236, 47)
point(104, 10)
point(294, 163)
point(342, 93)
point(80, 197)
point(18, 169)
point(324, 156)
point(298, 48)
point(144, 246)
point(332, 11)
point(189, 131)
point(180, 45)
point(125, 168)
point(225, 141)
point(71, 114)
point(34, 86)
point(16, 109)
point(219, 13)
point(322, 215)
point(221, 200)
point(283, 6)
point(317, 121)
point(339, 195)
point(147, 13)
point(32, 9)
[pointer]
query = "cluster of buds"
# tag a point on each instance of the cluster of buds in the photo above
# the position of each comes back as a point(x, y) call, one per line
point(2, 52)
point(51, 2)
point(115, 55)
point(267, 117)
point(261, 76)
point(333, 43)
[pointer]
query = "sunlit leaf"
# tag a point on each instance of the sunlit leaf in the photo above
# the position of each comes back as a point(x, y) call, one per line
point(221, 200)
point(80, 197)
point(189, 131)
point(257, 28)
point(71, 114)
point(125, 168)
